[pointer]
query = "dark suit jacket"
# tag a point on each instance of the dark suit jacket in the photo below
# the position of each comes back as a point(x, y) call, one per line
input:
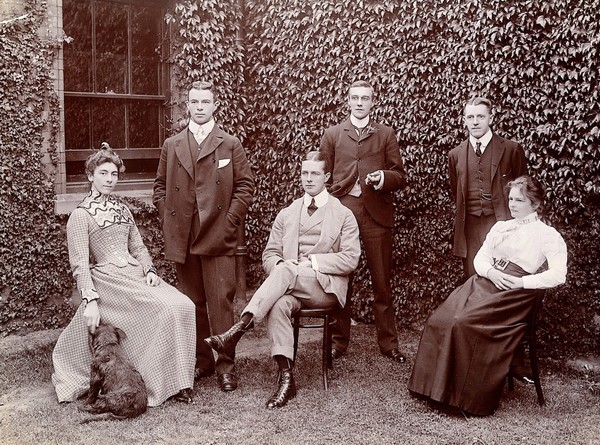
point(222, 192)
point(508, 163)
point(337, 251)
point(352, 159)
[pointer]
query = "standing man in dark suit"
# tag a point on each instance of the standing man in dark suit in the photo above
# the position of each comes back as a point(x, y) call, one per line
point(367, 170)
point(202, 191)
point(312, 248)
point(479, 169)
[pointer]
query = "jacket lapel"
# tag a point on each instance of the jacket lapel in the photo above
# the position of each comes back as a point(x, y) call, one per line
point(292, 230)
point(462, 164)
point(331, 226)
point(349, 129)
point(182, 150)
point(214, 139)
point(497, 146)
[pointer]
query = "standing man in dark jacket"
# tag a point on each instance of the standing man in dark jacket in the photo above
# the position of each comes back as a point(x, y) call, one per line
point(202, 191)
point(367, 170)
point(479, 169)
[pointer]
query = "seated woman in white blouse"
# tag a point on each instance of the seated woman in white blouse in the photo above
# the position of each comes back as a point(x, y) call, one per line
point(468, 343)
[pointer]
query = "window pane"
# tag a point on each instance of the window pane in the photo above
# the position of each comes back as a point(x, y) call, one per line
point(108, 116)
point(77, 24)
point(145, 36)
point(143, 124)
point(111, 48)
point(77, 123)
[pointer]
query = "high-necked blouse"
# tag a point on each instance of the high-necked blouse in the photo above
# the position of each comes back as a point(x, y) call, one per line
point(529, 243)
point(105, 209)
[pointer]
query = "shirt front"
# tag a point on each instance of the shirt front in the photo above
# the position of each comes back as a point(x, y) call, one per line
point(485, 140)
point(201, 131)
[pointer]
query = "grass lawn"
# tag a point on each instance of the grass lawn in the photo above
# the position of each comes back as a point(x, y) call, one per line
point(367, 403)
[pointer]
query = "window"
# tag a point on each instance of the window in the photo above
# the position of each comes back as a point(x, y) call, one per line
point(115, 85)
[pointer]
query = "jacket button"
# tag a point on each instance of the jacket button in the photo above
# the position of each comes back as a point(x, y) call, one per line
point(177, 189)
point(172, 212)
point(218, 181)
point(220, 207)
point(360, 143)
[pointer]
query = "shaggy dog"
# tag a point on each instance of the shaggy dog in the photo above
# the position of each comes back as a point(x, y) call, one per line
point(116, 387)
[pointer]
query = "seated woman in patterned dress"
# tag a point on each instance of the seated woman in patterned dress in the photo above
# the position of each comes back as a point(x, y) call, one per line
point(468, 343)
point(119, 285)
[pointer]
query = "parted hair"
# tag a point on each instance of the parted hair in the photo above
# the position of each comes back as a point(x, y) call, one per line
point(319, 156)
point(203, 85)
point(479, 100)
point(531, 188)
point(105, 154)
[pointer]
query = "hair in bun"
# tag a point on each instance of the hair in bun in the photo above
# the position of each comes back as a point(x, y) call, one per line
point(103, 155)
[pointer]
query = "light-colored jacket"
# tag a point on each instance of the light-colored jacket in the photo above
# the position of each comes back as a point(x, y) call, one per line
point(337, 252)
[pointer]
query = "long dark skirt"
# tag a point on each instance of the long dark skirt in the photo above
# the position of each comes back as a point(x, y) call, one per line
point(468, 343)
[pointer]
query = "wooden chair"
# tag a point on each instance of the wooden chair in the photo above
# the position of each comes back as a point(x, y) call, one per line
point(531, 340)
point(327, 317)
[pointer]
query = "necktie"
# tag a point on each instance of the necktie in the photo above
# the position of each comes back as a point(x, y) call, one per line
point(478, 149)
point(200, 135)
point(312, 208)
point(360, 131)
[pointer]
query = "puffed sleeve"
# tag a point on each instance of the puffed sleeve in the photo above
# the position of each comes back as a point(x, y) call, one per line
point(484, 259)
point(554, 249)
point(78, 242)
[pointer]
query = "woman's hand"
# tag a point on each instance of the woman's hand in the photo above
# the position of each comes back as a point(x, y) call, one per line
point(504, 281)
point(152, 279)
point(91, 315)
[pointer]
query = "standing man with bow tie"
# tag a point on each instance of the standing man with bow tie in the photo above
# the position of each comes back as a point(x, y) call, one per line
point(202, 191)
point(367, 170)
point(479, 170)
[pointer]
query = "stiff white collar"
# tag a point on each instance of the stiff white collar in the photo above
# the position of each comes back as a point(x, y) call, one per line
point(204, 128)
point(359, 123)
point(320, 199)
point(485, 140)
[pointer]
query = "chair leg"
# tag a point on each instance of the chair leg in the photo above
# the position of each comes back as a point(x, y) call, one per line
point(326, 351)
point(296, 322)
point(535, 370)
point(511, 383)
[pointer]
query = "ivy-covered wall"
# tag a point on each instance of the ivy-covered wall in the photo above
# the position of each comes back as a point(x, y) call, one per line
point(284, 66)
point(34, 280)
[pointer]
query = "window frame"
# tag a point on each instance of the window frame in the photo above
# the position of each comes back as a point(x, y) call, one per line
point(68, 183)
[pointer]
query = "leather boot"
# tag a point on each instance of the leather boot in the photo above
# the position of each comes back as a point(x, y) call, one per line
point(286, 390)
point(226, 342)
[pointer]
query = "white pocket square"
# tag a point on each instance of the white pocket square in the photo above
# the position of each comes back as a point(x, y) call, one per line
point(223, 162)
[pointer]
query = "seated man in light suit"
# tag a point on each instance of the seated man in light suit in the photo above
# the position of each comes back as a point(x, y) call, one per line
point(312, 248)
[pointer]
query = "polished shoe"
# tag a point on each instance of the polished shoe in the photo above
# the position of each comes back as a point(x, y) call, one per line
point(200, 373)
point(184, 396)
point(227, 381)
point(226, 342)
point(394, 354)
point(285, 392)
point(523, 377)
point(336, 354)
point(520, 373)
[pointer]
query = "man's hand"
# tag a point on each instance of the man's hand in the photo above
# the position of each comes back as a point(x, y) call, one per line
point(373, 178)
point(303, 263)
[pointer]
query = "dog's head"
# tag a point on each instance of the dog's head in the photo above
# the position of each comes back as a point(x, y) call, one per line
point(106, 334)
